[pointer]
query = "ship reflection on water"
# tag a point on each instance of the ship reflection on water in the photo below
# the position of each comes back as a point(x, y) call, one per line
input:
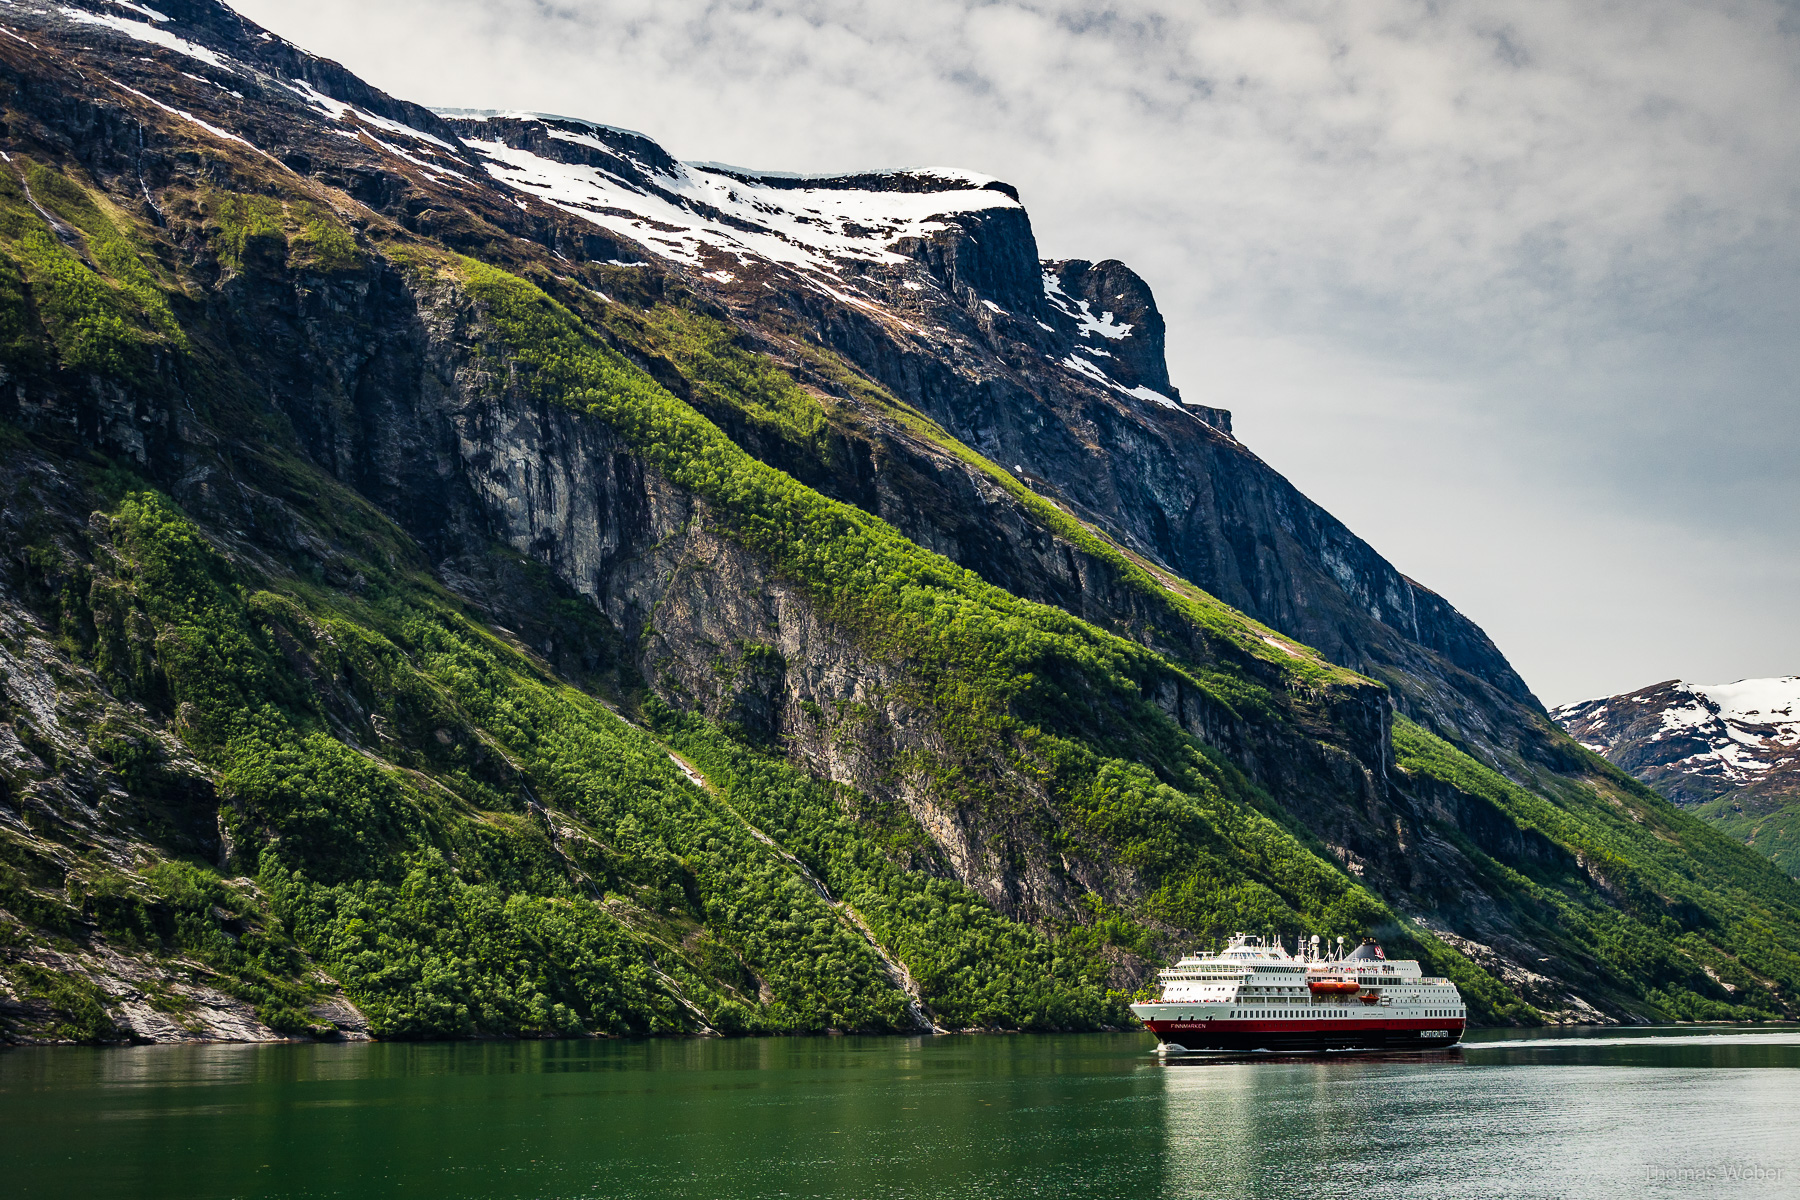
point(1361, 1057)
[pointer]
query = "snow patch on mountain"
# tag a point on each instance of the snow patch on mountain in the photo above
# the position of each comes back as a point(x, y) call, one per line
point(1092, 370)
point(1086, 324)
point(826, 231)
point(148, 12)
point(1731, 732)
point(695, 212)
point(1762, 700)
point(226, 134)
point(151, 34)
point(1108, 329)
point(338, 110)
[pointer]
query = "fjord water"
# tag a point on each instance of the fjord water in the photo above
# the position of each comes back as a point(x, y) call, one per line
point(1664, 1112)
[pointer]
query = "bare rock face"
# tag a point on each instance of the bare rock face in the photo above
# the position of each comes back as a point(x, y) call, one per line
point(147, 1002)
point(1055, 369)
point(1113, 296)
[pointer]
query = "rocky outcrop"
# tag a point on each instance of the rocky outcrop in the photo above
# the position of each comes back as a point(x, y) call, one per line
point(88, 783)
point(458, 460)
point(1118, 297)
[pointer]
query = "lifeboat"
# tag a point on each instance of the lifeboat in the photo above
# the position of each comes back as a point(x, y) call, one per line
point(1333, 987)
point(1369, 997)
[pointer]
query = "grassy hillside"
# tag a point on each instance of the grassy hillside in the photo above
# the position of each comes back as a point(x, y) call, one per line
point(410, 804)
point(468, 844)
point(1664, 908)
point(1768, 825)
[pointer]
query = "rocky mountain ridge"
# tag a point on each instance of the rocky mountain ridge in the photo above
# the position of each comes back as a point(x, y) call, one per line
point(476, 575)
point(1027, 338)
point(1729, 751)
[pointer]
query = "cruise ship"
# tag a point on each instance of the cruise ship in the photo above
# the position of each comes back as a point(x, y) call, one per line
point(1254, 995)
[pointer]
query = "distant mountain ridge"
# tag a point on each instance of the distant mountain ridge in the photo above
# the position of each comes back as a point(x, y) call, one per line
point(477, 575)
point(1730, 751)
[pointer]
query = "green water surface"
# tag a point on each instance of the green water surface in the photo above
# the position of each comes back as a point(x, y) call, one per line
point(1679, 1112)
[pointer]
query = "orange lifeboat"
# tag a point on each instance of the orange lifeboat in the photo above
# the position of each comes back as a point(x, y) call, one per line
point(1333, 987)
point(1369, 997)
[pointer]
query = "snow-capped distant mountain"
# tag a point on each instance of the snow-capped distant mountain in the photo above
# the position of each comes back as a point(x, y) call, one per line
point(1694, 742)
point(1733, 749)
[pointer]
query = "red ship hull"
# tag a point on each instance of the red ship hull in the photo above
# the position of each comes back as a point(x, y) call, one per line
point(1308, 1036)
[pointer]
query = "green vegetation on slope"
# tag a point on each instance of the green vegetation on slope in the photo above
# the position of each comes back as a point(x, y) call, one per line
point(723, 373)
point(1154, 831)
point(445, 898)
point(1059, 699)
point(299, 233)
point(708, 351)
point(104, 313)
point(977, 651)
point(1772, 829)
point(473, 847)
point(1667, 909)
point(972, 967)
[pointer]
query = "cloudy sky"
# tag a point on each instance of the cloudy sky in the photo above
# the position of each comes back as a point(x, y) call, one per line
point(1512, 288)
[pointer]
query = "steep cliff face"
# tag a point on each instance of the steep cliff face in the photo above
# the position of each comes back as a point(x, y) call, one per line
point(1095, 422)
point(474, 574)
point(1056, 369)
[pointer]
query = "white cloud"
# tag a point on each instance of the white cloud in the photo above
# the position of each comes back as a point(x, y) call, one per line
point(1574, 222)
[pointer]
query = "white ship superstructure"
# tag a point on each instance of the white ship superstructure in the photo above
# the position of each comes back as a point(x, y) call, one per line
point(1254, 995)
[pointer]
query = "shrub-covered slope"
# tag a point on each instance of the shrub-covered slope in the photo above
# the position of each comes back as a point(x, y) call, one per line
point(415, 622)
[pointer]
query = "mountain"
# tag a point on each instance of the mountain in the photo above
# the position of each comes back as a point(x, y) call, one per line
point(472, 574)
point(1727, 751)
